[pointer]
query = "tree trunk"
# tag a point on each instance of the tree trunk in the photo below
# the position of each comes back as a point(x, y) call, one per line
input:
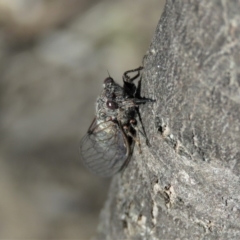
point(186, 184)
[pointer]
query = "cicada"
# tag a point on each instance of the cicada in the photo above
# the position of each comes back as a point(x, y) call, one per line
point(108, 144)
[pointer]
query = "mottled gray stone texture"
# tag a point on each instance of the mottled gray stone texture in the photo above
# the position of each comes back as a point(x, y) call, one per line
point(186, 185)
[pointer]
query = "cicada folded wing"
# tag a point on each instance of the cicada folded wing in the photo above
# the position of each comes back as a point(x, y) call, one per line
point(105, 148)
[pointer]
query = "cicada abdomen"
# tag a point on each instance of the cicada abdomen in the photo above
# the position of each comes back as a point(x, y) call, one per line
point(105, 148)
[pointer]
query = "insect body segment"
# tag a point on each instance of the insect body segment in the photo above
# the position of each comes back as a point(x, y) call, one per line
point(108, 144)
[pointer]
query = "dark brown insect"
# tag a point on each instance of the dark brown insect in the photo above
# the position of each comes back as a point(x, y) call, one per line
point(109, 142)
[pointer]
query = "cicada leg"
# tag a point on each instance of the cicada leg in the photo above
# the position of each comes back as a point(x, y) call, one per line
point(136, 138)
point(129, 79)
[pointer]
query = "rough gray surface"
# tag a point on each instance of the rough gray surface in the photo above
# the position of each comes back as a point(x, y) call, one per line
point(186, 185)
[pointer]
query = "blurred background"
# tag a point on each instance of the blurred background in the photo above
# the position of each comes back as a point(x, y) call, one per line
point(54, 56)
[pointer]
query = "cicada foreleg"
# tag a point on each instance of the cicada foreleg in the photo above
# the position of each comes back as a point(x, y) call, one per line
point(127, 78)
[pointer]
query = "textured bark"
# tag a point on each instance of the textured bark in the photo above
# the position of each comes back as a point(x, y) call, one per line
point(186, 185)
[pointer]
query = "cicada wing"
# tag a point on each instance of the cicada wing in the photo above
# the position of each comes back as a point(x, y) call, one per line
point(105, 148)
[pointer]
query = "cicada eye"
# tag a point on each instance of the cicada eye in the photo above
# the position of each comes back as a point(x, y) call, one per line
point(108, 80)
point(112, 105)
